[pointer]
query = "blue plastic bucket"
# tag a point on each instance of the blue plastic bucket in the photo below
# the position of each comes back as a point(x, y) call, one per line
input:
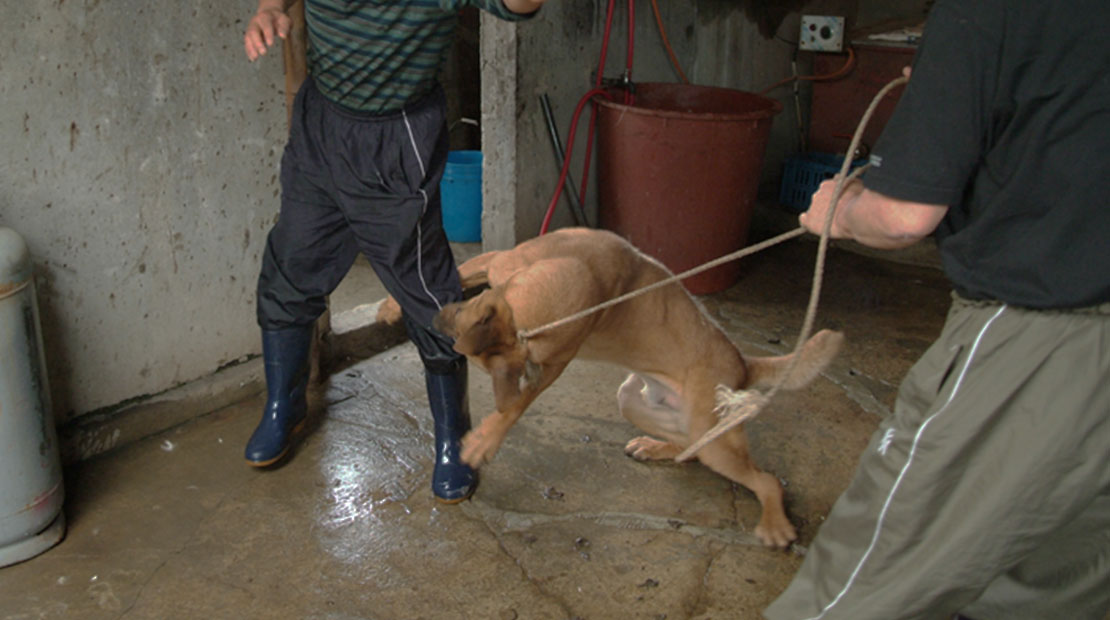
point(461, 196)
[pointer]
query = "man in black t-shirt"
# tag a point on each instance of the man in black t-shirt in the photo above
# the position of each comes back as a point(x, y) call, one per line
point(987, 492)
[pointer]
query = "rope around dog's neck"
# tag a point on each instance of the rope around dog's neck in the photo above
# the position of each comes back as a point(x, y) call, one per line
point(744, 406)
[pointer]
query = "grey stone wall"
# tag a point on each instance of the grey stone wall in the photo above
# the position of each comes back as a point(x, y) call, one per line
point(140, 162)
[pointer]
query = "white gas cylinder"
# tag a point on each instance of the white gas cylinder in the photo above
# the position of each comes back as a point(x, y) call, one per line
point(31, 489)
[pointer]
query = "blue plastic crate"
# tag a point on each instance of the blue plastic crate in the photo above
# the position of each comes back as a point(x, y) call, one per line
point(803, 173)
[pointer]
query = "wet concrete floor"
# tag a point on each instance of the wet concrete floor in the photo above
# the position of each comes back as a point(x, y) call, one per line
point(562, 526)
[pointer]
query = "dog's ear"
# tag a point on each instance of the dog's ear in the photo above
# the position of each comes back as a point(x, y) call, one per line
point(486, 323)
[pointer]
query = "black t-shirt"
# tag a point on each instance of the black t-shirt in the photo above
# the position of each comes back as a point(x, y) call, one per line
point(1006, 119)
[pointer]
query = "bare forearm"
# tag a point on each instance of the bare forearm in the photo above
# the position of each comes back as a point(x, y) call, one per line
point(871, 218)
point(879, 223)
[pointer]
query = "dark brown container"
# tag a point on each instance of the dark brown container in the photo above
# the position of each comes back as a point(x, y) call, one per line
point(678, 173)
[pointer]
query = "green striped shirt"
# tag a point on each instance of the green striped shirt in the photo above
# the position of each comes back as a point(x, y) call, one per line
point(375, 56)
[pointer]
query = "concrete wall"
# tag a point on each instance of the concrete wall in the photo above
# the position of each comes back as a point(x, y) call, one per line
point(140, 165)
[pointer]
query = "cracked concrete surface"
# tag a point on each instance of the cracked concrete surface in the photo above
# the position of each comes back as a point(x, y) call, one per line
point(563, 524)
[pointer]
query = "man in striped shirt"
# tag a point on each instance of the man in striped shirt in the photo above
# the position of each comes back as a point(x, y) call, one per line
point(360, 173)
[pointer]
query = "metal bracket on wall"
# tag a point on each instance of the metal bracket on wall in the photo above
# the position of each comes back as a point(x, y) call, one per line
point(821, 33)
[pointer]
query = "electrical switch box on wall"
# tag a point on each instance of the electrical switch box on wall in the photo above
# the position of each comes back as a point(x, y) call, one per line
point(821, 33)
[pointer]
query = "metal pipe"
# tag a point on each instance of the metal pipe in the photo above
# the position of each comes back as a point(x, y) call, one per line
point(572, 198)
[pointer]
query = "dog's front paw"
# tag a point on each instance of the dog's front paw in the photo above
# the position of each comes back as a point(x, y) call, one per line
point(480, 444)
point(648, 449)
point(777, 533)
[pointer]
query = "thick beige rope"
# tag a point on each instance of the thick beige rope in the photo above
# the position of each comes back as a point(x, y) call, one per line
point(751, 249)
point(737, 407)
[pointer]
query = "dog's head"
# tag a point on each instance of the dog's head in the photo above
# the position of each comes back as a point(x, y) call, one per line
point(482, 325)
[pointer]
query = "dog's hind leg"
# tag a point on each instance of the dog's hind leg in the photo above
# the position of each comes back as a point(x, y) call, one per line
point(648, 404)
point(646, 448)
point(729, 456)
point(655, 408)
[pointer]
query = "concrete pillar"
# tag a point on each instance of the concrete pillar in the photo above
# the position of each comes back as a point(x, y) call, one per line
point(498, 50)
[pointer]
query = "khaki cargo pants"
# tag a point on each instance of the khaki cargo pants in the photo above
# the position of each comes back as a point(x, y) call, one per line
point(987, 492)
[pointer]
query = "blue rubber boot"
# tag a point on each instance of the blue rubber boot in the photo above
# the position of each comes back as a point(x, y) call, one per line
point(285, 352)
point(452, 480)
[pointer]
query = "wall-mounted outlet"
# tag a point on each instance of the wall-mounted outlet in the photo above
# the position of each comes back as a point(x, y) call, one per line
point(822, 33)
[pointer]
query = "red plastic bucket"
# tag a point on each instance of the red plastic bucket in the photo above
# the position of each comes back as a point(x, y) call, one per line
point(678, 173)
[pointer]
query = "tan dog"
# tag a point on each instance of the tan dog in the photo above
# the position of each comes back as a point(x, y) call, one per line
point(677, 354)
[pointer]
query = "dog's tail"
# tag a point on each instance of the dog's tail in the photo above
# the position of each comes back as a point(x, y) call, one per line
point(473, 273)
point(764, 372)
